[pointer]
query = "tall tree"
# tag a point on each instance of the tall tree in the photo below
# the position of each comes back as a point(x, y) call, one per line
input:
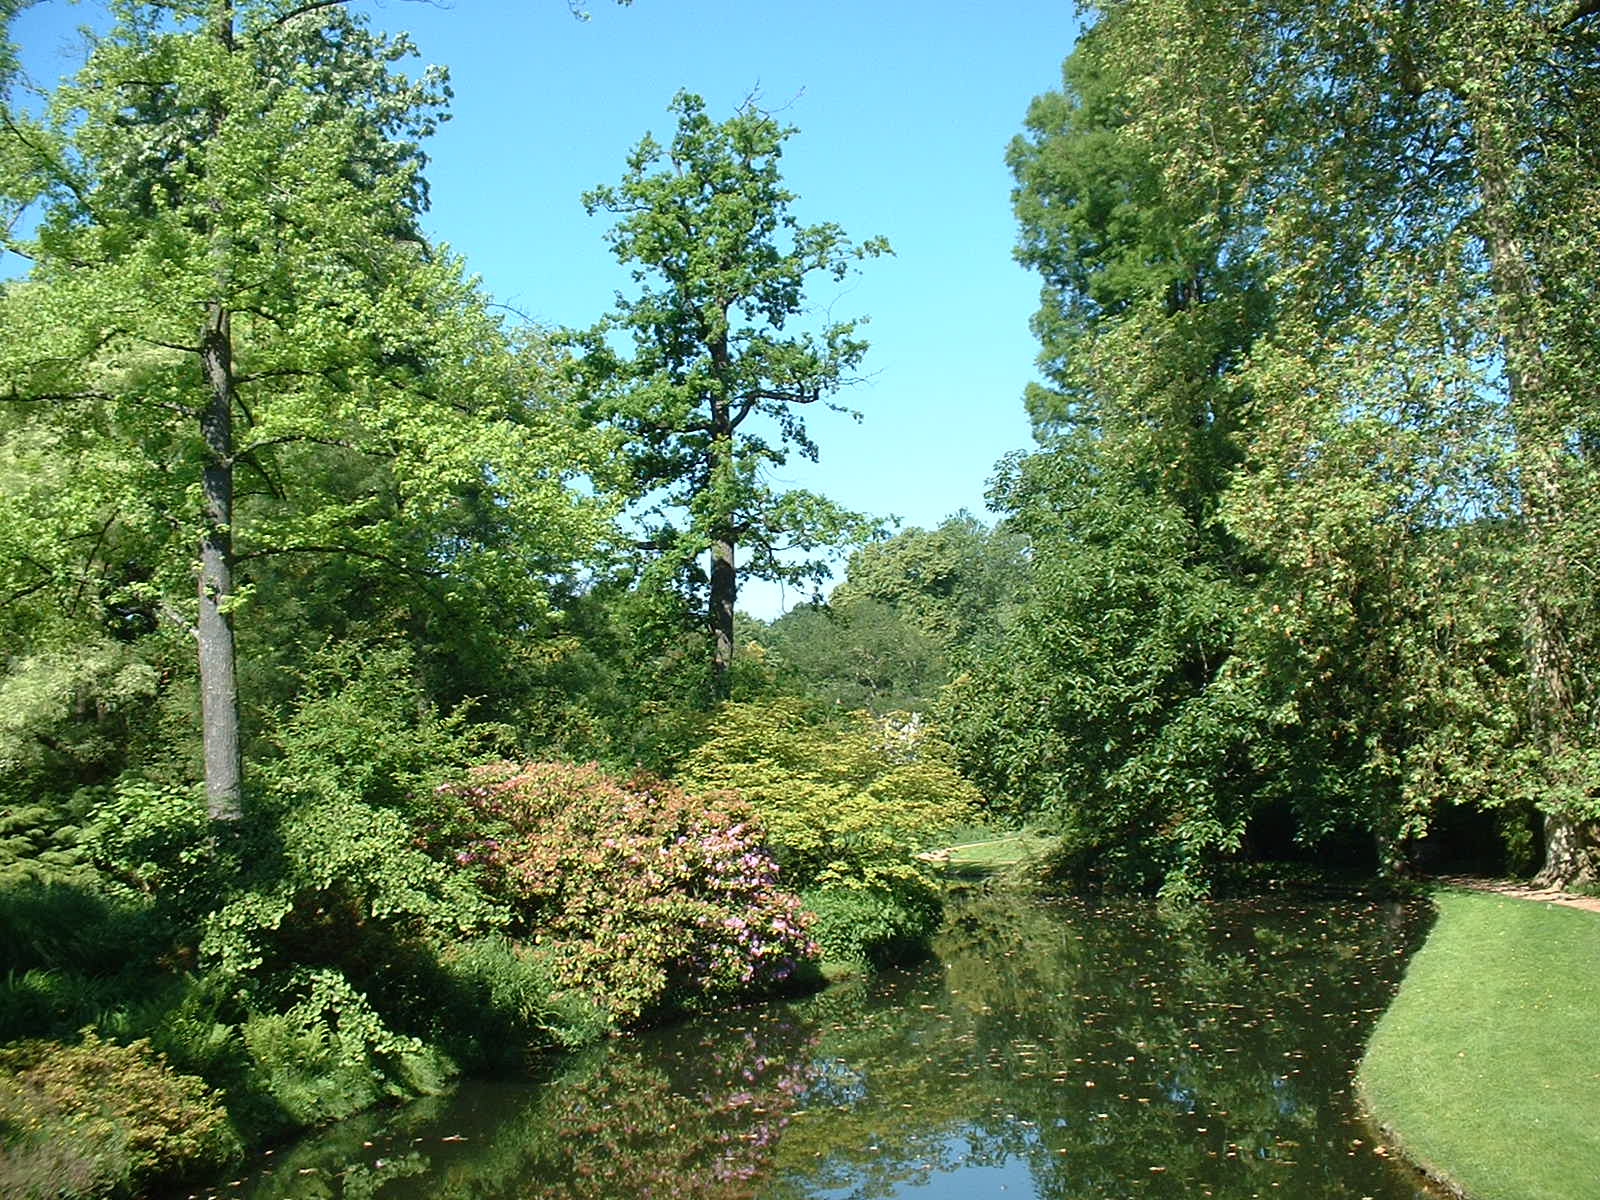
point(1419, 203)
point(229, 293)
point(713, 392)
point(1108, 702)
point(1430, 204)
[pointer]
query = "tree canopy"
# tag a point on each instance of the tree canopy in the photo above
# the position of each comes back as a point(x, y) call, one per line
point(1308, 309)
point(713, 393)
point(233, 345)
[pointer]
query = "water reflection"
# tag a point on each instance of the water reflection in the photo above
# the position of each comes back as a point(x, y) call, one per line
point(1060, 1051)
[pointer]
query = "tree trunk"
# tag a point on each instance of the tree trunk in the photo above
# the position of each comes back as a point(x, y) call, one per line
point(1571, 853)
point(219, 691)
point(724, 573)
point(219, 688)
point(720, 470)
point(724, 592)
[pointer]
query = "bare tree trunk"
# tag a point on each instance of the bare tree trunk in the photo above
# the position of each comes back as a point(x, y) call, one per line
point(724, 592)
point(724, 573)
point(219, 688)
point(1571, 853)
point(219, 691)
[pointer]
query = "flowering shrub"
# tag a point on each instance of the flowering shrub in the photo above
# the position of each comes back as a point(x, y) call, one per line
point(646, 896)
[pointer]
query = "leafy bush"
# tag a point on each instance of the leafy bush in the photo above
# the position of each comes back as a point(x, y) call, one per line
point(154, 839)
point(517, 998)
point(873, 925)
point(74, 953)
point(328, 1055)
point(41, 841)
point(645, 896)
point(848, 807)
point(847, 803)
point(99, 1119)
point(337, 918)
point(360, 726)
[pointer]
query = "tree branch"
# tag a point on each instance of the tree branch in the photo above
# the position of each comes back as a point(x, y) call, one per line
point(292, 439)
point(88, 562)
point(59, 171)
point(302, 10)
point(751, 399)
point(15, 397)
point(283, 373)
point(177, 618)
point(24, 593)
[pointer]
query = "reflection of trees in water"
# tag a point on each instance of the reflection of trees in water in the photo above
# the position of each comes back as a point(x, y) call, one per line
point(692, 1112)
point(1113, 1048)
point(699, 1115)
point(1110, 1050)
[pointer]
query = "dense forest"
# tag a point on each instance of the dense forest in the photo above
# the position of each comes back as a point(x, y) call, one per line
point(374, 699)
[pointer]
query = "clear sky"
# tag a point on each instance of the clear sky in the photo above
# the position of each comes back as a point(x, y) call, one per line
point(904, 111)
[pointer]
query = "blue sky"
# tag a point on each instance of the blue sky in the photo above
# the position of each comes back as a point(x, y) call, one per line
point(904, 111)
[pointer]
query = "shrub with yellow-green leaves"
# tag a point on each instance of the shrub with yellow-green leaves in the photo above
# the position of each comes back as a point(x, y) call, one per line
point(99, 1119)
point(848, 806)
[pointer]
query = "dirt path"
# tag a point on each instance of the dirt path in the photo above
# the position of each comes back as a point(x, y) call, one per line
point(1521, 891)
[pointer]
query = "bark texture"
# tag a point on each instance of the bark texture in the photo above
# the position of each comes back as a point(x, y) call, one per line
point(219, 690)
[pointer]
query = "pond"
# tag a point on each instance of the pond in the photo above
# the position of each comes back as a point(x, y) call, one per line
point(1052, 1050)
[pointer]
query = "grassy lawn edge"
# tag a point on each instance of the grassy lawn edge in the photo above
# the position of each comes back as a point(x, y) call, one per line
point(1485, 1070)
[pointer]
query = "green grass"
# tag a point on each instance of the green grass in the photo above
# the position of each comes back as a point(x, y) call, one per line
point(991, 854)
point(1486, 1069)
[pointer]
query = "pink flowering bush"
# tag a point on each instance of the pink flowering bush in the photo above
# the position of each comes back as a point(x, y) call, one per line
point(645, 896)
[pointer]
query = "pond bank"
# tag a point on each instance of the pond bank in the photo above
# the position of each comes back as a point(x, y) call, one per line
point(1485, 1071)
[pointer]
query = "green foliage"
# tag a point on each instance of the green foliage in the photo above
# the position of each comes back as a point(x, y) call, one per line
point(154, 840)
point(336, 859)
point(859, 654)
point(1117, 245)
point(1320, 432)
point(73, 717)
point(954, 584)
point(99, 1119)
point(848, 803)
point(71, 709)
point(890, 923)
point(42, 840)
point(327, 880)
point(705, 223)
point(360, 725)
point(848, 806)
point(338, 917)
point(78, 953)
point(329, 1053)
point(646, 897)
point(397, 460)
point(520, 988)
point(1105, 707)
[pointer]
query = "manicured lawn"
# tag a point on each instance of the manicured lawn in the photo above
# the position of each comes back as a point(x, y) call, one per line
point(991, 854)
point(1487, 1066)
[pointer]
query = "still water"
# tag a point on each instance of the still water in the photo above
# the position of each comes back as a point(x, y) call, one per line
point(1054, 1050)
